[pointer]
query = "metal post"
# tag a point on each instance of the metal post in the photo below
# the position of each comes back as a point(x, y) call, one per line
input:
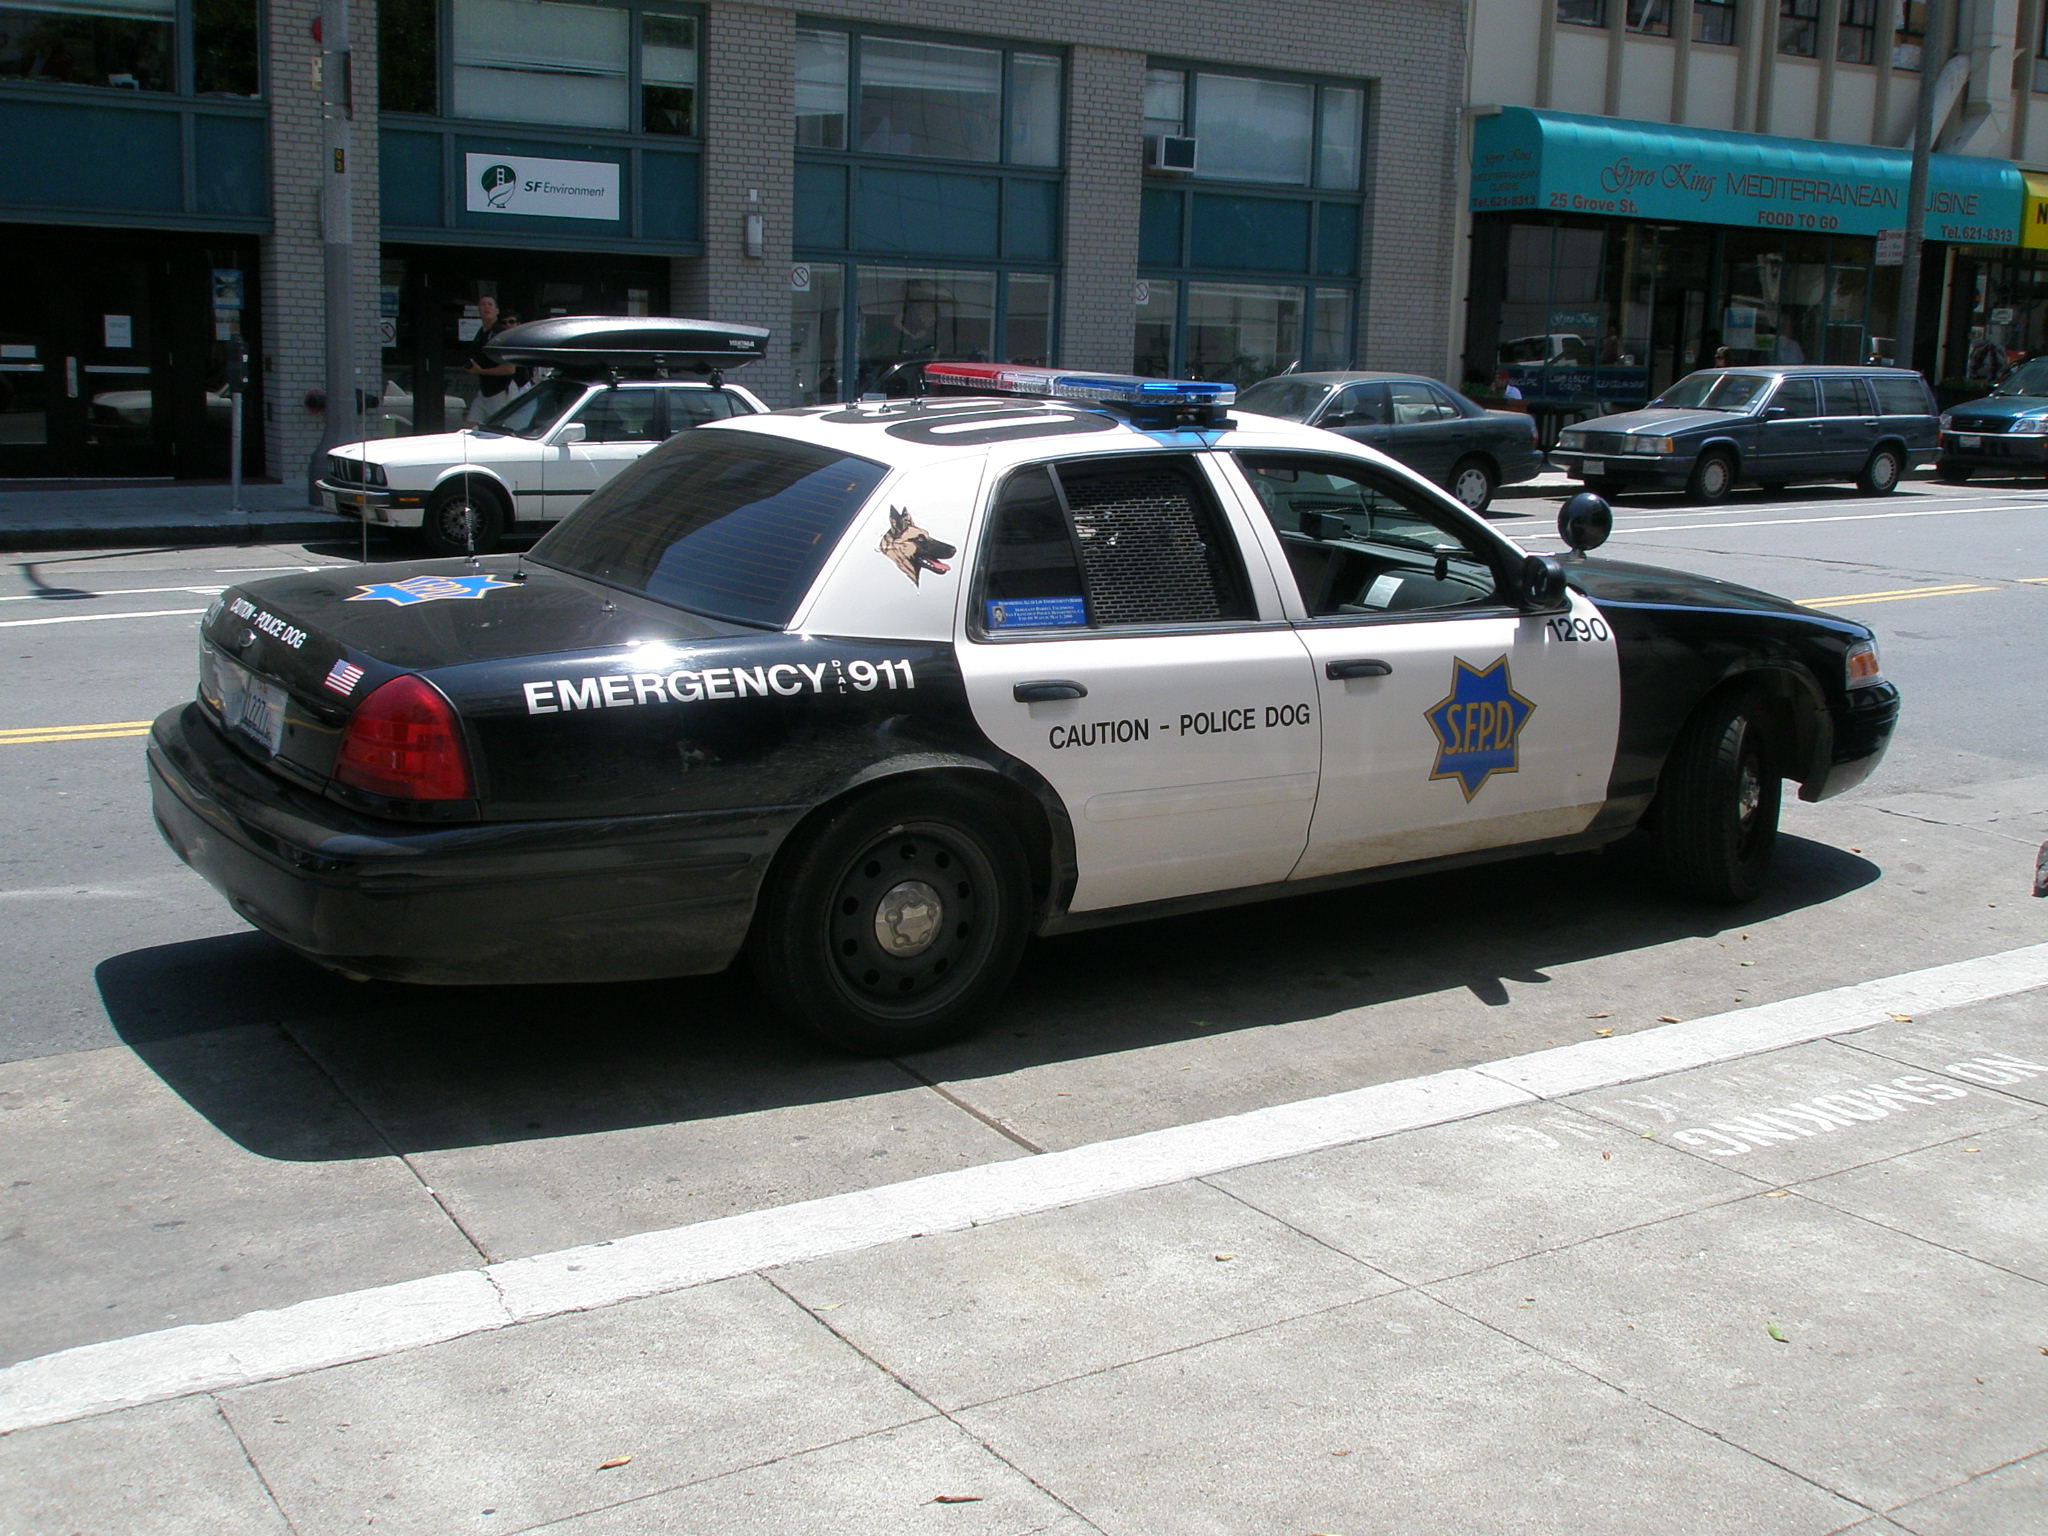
point(238, 381)
point(341, 421)
point(1933, 54)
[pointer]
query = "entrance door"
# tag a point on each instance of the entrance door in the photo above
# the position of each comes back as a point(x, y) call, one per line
point(80, 370)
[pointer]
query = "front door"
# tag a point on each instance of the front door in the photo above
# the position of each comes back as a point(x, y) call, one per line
point(1119, 643)
point(618, 426)
point(81, 367)
point(1451, 721)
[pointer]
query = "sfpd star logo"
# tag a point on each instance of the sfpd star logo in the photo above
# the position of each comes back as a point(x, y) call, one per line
point(1478, 725)
point(427, 589)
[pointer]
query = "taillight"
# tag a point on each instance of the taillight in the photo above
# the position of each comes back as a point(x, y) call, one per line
point(404, 742)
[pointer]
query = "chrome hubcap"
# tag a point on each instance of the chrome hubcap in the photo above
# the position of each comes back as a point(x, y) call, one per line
point(908, 918)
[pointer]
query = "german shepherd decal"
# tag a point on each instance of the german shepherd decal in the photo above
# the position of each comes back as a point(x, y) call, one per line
point(912, 549)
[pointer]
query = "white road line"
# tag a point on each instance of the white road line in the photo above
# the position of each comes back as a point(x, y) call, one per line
point(95, 618)
point(1778, 522)
point(38, 597)
point(390, 1319)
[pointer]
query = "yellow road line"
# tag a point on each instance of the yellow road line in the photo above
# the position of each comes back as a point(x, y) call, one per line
point(1954, 589)
point(43, 735)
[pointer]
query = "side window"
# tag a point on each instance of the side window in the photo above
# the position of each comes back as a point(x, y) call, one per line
point(694, 407)
point(1362, 545)
point(620, 416)
point(1797, 398)
point(1902, 397)
point(1415, 401)
point(1357, 405)
point(1843, 397)
point(1099, 545)
point(1445, 403)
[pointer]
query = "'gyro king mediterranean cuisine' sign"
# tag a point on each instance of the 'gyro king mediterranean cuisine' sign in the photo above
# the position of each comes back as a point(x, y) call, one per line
point(1555, 162)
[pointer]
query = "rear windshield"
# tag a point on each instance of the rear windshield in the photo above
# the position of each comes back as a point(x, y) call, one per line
point(735, 525)
point(1715, 391)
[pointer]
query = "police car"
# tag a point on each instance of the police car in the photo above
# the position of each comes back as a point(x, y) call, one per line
point(609, 399)
point(870, 693)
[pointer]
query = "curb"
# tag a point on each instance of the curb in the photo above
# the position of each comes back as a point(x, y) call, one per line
point(254, 528)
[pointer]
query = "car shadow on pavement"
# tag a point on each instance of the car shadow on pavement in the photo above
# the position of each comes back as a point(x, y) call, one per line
point(294, 1063)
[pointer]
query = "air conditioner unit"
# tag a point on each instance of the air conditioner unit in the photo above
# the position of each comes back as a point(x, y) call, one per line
point(1169, 152)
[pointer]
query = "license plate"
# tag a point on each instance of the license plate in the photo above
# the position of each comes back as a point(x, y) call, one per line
point(252, 705)
point(1592, 467)
point(1966, 439)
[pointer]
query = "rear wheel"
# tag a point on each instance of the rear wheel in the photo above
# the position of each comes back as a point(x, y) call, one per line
point(1881, 472)
point(1713, 477)
point(1472, 483)
point(465, 518)
point(1717, 804)
point(1953, 474)
point(897, 923)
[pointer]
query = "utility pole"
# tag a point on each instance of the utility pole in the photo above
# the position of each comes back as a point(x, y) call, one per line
point(1933, 55)
point(342, 420)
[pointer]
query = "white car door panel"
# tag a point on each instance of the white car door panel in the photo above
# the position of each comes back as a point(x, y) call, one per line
point(619, 425)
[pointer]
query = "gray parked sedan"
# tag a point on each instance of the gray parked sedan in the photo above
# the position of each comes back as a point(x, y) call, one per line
point(1428, 426)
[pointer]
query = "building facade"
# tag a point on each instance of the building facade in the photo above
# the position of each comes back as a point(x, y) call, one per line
point(1657, 185)
point(1217, 191)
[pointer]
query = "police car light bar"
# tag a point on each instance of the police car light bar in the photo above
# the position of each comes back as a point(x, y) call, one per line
point(1125, 389)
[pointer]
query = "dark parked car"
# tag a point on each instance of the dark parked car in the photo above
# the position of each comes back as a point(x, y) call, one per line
point(2004, 434)
point(1428, 426)
point(1772, 425)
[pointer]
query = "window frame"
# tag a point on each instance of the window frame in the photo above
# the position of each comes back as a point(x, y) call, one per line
point(181, 65)
point(1728, 12)
point(1799, 19)
point(1320, 111)
point(1596, 13)
point(1856, 28)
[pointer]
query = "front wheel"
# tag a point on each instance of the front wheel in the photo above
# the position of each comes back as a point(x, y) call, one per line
point(1717, 804)
point(1472, 483)
point(1713, 477)
point(1881, 472)
point(896, 924)
point(463, 519)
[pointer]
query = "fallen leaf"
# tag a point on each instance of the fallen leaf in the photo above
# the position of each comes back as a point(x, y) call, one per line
point(1776, 1194)
point(1604, 1033)
point(616, 1461)
point(1599, 1015)
point(1749, 962)
point(1855, 850)
point(954, 1498)
point(1902, 1018)
point(828, 1306)
point(1222, 1258)
point(1775, 1332)
point(1347, 1453)
point(1607, 1154)
point(1669, 1018)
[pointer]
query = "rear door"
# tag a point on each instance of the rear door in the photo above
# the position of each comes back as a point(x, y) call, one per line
point(1786, 443)
point(1848, 424)
point(1120, 643)
point(1427, 429)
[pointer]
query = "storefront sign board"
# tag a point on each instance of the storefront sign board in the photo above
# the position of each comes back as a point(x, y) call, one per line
point(537, 188)
point(2034, 222)
point(1558, 162)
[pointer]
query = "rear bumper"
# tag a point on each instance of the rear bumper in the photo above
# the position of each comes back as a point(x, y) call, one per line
point(604, 899)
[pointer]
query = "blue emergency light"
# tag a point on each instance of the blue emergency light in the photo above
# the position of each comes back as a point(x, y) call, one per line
point(1194, 399)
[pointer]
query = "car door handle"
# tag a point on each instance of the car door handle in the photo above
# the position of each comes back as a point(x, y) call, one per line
point(1337, 671)
point(1045, 689)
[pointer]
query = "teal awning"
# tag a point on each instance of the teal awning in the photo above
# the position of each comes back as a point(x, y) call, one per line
point(1558, 162)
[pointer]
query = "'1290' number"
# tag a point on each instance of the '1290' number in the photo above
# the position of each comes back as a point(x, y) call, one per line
point(1575, 628)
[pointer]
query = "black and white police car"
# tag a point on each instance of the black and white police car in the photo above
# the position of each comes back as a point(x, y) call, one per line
point(872, 692)
point(616, 390)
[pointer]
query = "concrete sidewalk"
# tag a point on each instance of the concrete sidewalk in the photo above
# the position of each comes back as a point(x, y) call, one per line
point(1781, 1271)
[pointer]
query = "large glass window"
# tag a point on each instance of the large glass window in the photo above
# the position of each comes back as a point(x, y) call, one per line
point(1909, 37)
point(1240, 333)
point(1255, 130)
point(126, 44)
point(1856, 32)
point(945, 101)
point(668, 73)
point(408, 49)
point(820, 89)
point(1799, 27)
point(1034, 109)
point(1158, 312)
point(1330, 339)
point(1582, 13)
point(526, 60)
point(816, 327)
point(1343, 137)
point(1652, 17)
point(224, 48)
point(907, 315)
point(1713, 21)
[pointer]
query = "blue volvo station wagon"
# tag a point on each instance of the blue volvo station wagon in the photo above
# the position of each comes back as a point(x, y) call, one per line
point(2003, 434)
point(1772, 425)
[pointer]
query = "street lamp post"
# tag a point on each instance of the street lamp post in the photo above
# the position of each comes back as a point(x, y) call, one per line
point(1932, 53)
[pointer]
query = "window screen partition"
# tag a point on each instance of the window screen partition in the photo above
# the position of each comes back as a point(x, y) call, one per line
point(132, 45)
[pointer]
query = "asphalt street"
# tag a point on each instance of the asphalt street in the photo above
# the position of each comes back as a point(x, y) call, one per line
point(201, 1127)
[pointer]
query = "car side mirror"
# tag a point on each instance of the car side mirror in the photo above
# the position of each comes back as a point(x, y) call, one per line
point(1540, 583)
point(1585, 521)
point(1334, 419)
point(571, 432)
point(1773, 412)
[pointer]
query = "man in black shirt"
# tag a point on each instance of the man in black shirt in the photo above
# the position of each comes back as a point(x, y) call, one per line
point(493, 379)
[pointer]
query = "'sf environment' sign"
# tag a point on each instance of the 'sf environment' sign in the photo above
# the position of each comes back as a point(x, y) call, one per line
point(547, 189)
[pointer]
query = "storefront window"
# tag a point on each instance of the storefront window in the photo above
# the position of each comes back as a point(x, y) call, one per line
point(1799, 27)
point(408, 54)
point(1330, 337)
point(1713, 21)
point(126, 44)
point(820, 89)
point(1158, 312)
point(1239, 333)
point(523, 60)
point(816, 321)
point(935, 100)
point(1027, 320)
point(1856, 32)
point(911, 314)
point(668, 73)
point(1652, 17)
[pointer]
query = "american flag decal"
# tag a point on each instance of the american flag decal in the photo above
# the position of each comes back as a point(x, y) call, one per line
point(344, 677)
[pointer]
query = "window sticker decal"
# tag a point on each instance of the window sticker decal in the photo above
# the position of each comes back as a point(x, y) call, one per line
point(1478, 725)
point(911, 550)
point(1036, 612)
point(429, 589)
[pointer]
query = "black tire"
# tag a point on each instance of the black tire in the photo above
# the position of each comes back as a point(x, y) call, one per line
point(1473, 483)
point(819, 948)
point(1953, 474)
point(1881, 471)
point(1713, 477)
point(1716, 819)
point(465, 518)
